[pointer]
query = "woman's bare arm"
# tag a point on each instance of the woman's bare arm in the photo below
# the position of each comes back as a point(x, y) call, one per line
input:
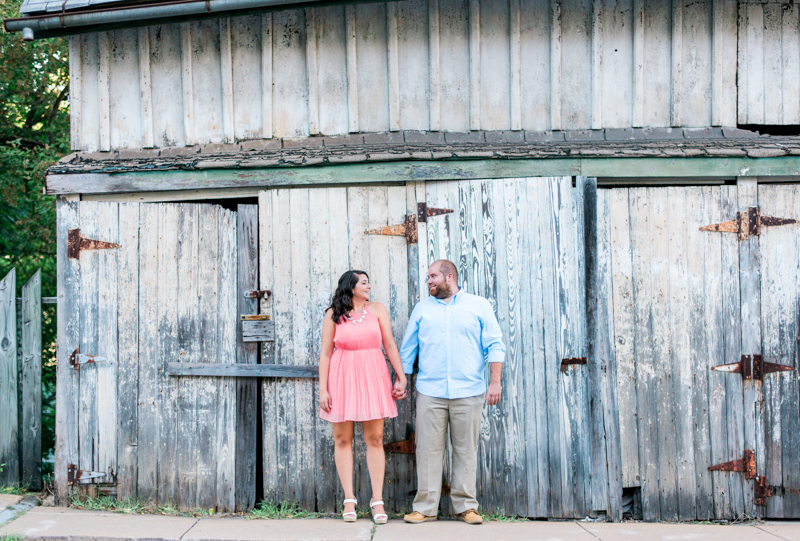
point(390, 347)
point(328, 330)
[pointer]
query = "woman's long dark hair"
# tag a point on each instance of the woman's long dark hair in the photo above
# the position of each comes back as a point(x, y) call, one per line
point(342, 301)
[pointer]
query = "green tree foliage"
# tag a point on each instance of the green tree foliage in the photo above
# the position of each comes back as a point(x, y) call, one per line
point(34, 133)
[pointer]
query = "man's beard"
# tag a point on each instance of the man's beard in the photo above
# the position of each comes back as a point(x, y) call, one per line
point(440, 292)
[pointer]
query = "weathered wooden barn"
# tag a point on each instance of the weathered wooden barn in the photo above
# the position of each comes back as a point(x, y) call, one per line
point(571, 156)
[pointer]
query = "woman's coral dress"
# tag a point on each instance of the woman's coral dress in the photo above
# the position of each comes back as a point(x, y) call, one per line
point(358, 378)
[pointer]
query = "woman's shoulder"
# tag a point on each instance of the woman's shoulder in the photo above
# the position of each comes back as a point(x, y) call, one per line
point(377, 308)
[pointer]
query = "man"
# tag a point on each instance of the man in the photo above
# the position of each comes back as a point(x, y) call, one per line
point(456, 334)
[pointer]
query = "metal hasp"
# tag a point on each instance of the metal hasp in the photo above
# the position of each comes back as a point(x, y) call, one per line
point(76, 243)
point(423, 211)
point(260, 294)
point(752, 367)
point(254, 317)
point(407, 229)
point(74, 474)
point(761, 490)
point(571, 360)
point(746, 464)
point(748, 224)
point(76, 359)
point(407, 447)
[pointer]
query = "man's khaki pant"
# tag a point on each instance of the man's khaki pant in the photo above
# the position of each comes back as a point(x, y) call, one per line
point(464, 417)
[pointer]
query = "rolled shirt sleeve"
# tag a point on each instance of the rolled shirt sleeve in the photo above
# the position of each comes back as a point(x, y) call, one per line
point(492, 336)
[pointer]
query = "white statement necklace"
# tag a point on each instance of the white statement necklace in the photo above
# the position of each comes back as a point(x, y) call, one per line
point(359, 320)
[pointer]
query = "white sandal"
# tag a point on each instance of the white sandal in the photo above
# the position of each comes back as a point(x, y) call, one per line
point(350, 516)
point(380, 518)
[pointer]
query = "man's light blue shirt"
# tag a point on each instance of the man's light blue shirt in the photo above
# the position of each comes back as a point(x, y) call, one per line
point(455, 340)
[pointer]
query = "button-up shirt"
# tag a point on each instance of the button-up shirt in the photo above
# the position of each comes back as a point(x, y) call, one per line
point(455, 340)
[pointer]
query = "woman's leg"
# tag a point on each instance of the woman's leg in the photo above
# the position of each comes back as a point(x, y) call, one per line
point(376, 461)
point(343, 456)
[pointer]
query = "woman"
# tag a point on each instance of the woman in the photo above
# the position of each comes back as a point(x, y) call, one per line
point(354, 383)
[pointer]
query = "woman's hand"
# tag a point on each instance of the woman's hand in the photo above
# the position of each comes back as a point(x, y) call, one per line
point(399, 390)
point(325, 401)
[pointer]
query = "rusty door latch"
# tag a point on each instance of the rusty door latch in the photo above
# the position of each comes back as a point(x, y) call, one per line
point(76, 243)
point(407, 447)
point(571, 361)
point(752, 367)
point(74, 475)
point(76, 359)
point(408, 228)
point(748, 224)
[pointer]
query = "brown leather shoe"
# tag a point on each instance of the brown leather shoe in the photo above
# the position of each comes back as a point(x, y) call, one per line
point(471, 516)
point(416, 517)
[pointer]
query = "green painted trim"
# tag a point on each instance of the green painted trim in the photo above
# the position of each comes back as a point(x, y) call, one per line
point(402, 171)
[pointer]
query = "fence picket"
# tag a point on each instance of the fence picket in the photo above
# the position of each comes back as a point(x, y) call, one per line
point(31, 381)
point(9, 448)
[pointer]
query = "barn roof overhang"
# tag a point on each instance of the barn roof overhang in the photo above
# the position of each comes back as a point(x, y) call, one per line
point(53, 18)
point(408, 156)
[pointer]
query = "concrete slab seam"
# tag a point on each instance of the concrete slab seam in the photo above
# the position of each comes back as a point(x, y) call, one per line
point(587, 531)
point(770, 533)
point(189, 529)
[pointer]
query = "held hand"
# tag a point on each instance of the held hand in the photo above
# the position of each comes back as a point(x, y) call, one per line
point(494, 393)
point(325, 401)
point(399, 390)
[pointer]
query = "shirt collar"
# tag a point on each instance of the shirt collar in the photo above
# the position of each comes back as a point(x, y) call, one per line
point(460, 293)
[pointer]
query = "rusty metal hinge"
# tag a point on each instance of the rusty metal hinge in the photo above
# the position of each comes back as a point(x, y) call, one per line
point(423, 211)
point(259, 294)
point(407, 447)
point(748, 223)
point(761, 490)
point(746, 464)
point(76, 243)
point(74, 474)
point(752, 367)
point(76, 359)
point(407, 229)
point(571, 360)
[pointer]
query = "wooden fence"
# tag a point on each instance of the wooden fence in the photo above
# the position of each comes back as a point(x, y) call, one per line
point(21, 382)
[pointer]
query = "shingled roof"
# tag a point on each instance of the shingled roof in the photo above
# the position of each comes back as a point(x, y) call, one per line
point(35, 7)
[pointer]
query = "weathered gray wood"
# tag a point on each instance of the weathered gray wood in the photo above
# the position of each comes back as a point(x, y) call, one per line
point(188, 329)
point(31, 384)
point(9, 422)
point(128, 350)
point(257, 331)
point(682, 364)
point(227, 286)
point(68, 321)
point(750, 287)
point(246, 353)
point(147, 415)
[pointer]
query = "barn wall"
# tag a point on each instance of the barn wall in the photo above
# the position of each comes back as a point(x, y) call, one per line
point(450, 65)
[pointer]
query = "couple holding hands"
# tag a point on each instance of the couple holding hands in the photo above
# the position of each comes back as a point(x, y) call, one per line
point(455, 334)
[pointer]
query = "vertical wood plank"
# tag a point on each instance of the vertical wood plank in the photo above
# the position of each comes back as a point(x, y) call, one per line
point(741, 65)
point(677, 63)
point(753, 33)
point(208, 269)
point(246, 353)
point(75, 91)
point(494, 81)
point(352, 68)
point(453, 69)
point(226, 76)
point(186, 81)
point(697, 65)
point(723, 74)
point(266, 76)
point(269, 386)
point(145, 93)
point(168, 349)
point(474, 64)
point(167, 86)
point(226, 416)
point(332, 70)
point(9, 391)
point(107, 346)
point(372, 64)
point(750, 288)
point(147, 414)
point(598, 25)
point(68, 322)
point(638, 64)
point(422, 241)
point(90, 112)
point(515, 25)
point(188, 330)
point(535, 38)
point(246, 51)
point(555, 65)
point(208, 81)
point(790, 43)
point(312, 73)
point(414, 63)
point(433, 45)
point(128, 350)
point(103, 97)
point(773, 63)
point(392, 52)
point(125, 94)
point(657, 58)
point(31, 384)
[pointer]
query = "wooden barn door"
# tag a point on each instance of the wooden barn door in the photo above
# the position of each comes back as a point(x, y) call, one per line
point(165, 291)
point(308, 238)
point(519, 243)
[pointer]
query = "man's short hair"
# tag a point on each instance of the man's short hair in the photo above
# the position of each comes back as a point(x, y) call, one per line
point(448, 267)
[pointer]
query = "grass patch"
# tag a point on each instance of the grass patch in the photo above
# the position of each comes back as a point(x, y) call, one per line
point(134, 506)
point(285, 509)
point(500, 516)
point(19, 490)
point(12, 537)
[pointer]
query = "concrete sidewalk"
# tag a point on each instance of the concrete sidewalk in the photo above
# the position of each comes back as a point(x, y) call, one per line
point(61, 524)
